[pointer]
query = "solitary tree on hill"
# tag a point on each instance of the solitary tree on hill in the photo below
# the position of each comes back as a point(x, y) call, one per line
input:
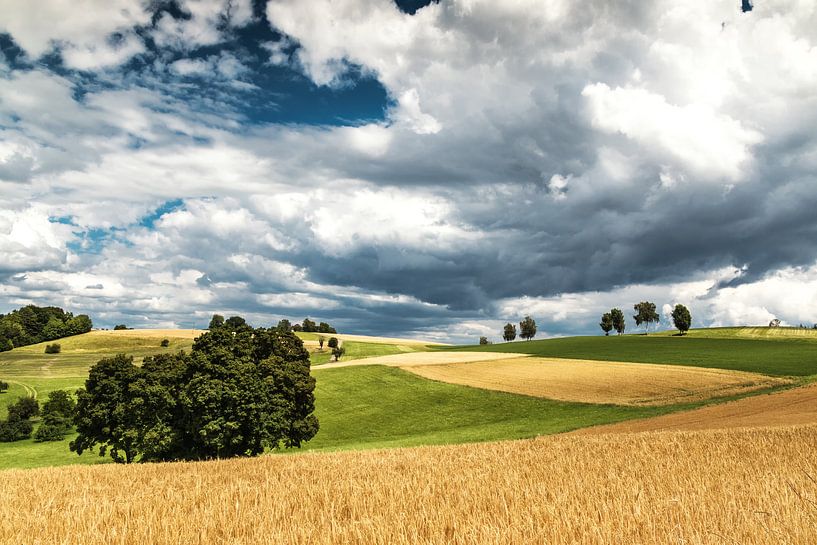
point(619, 323)
point(527, 328)
point(483, 340)
point(681, 318)
point(645, 314)
point(606, 323)
point(509, 333)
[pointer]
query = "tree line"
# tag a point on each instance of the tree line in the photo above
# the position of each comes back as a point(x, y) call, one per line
point(645, 314)
point(32, 324)
point(307, 326)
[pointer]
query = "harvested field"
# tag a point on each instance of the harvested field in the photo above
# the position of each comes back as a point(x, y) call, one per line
point(598, 381)
point(411, 359)
point(149, 333)
point(416, 343)
point(795, 406)
point(721, 487)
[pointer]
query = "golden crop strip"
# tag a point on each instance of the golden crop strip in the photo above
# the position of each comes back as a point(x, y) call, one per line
point(712, 487)
point(587, 381)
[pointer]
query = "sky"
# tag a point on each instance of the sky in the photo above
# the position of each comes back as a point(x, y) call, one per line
point(424, 169)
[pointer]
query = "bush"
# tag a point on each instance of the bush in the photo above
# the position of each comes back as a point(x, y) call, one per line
point(338, 352)
point(53, 348)
point(60, 403)
point(3, 386)
point(23, 409)
point(15, 430)
point(333, 342)
point(484, 340)
point(165, 343)
point(51, 432)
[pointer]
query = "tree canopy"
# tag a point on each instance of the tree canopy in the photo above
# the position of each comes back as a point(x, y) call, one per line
point(645, 314)
point(239, 391)
point(681, 318)
point(527, 328)
point(619, 323)
point(606, 323)
point(32, 324)
point(509, 332)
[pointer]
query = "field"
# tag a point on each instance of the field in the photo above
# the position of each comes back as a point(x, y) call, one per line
point(796, 406)
point(781, 356)
point(747, 487)
point(588, 381)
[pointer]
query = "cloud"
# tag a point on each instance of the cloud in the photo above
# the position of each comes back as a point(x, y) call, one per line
point(551, 158)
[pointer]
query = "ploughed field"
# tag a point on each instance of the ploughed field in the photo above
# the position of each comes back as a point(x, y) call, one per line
point(397, 392)
point(747, 486)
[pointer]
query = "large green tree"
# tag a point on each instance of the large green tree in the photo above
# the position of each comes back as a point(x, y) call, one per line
point(238, 392)
point(527, 328)
point(645, 314)
point(682, 318)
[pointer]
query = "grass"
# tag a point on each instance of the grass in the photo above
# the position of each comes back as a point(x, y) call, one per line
point(358, 350)
point(376, 406)
point(770, 357)
point(748, 332)
point(752, 487)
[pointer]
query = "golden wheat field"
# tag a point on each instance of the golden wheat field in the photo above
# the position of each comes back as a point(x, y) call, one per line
point(744, 486)
point(599, 381)
point(796, 406)
point(413, 359)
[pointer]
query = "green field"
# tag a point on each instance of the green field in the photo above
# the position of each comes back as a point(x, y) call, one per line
point(780, 357)
point(377, 406)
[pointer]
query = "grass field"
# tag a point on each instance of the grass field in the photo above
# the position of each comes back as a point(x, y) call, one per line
point(749, 332)
point(747, 487)
point(376, 406)
point(769, 357)
point(590, 381)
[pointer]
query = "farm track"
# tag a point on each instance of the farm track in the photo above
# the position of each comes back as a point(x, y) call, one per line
point(797, 406)
point(411, 359)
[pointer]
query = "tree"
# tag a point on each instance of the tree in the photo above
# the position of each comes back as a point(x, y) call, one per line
point(216, 322)
point(527, 328)
point(297, 327)
point(120, 327)
point(323, 327)
point(53, 348)
point(165, 343)
point(15, 430)
point(321, 340)
point(681, 318)
point(238, 392)
point(619, 323)
point(483, 340)
point(309, 326)
point(338, 352)
point(645, 314)
point(606, 323)
point(509, 333)
point(59, 402)
point(3, 386)
point(333, 342)
point(235, 323)
point(284, 325)
point(6, 344)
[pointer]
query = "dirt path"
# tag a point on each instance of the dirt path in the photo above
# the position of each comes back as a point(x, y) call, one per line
point(412, 359)
point(31, 391)
point(790, 407)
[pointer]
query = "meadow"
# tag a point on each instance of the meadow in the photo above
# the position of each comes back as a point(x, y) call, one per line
point(747, 487)
point(779, 356)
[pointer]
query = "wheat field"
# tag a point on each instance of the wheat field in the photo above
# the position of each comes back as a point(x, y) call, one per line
point(590, 381)
point(747, 487)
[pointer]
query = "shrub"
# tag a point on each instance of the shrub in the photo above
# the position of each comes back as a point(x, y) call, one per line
point(15, 430)
point(338, 352)
point(483, 340)
point(23, 409)
point(165, 343)
point(59, 402)
point(51, 432)
point(333, 342)
point(53, 348)
point(3, 386)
